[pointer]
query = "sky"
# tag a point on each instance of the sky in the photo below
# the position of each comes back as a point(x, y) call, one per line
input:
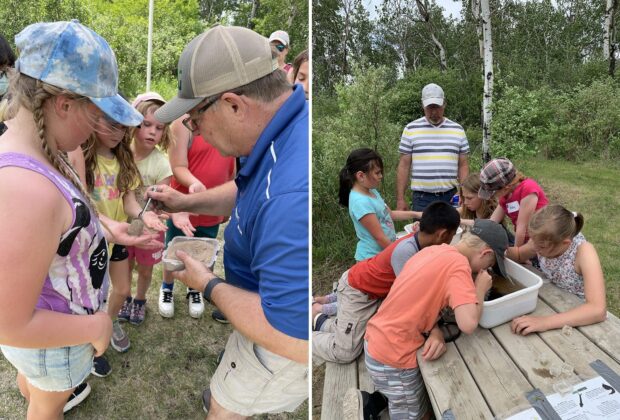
point(450, 7)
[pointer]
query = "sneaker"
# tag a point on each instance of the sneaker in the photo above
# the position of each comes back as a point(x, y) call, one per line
point(196, 305)
point(318, 322)
point(361, 405)
point(101, 367)
point(138, 312)
point(166, 303)
point(120, 339)
point(206, 400)
point(218, 316)
point(125, 313)
point(220, 357)
point(78, 395)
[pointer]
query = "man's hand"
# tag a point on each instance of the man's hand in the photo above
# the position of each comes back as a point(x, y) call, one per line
point(195, 275)
point(171, 199)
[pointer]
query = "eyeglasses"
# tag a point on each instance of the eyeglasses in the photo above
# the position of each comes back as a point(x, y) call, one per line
point(280, 47)
point(191, 122)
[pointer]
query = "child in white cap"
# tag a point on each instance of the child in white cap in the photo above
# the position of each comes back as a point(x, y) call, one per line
point(280, 41)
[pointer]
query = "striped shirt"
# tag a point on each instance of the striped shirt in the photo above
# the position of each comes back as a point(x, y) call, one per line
point(435, 152)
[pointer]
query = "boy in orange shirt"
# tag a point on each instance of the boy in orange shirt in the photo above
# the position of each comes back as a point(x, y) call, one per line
point(434, 278)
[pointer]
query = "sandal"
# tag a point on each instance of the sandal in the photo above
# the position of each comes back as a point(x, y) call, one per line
point(450, 330)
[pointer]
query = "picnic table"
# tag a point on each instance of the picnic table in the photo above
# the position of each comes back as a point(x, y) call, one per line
point(488, 374)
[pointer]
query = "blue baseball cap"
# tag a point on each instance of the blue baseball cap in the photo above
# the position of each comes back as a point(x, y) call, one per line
point(71, 56)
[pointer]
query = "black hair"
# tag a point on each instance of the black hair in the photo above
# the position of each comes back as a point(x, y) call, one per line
point(439, 215)
point(7, 56)
point(359, 160)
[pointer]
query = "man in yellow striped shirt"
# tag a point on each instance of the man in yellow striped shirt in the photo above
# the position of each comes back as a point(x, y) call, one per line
point(433, 154)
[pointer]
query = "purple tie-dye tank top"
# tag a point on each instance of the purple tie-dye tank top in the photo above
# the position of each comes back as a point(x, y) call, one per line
point(77, 281)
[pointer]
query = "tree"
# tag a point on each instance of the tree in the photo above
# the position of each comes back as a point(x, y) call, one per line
point(609, 44)
point(487, 48)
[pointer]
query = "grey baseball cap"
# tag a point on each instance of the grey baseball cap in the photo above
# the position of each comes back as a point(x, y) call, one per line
point(221, 59)
point(494, 235)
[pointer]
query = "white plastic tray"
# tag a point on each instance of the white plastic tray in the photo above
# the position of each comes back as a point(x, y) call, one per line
point(176, 265)
point(521, 302)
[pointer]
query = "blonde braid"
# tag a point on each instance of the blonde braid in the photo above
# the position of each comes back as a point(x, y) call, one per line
point(56, 158)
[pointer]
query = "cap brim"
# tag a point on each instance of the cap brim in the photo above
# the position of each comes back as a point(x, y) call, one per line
point(432, 101)
point(485, 194)
point(119, 110)
point(175, 108)
point(280, 40)
point(500, 265)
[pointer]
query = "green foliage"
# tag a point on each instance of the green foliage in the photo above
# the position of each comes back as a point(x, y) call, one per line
point(288, 15)
point(357, 119)
point(520, 119)
point(579, 124)
point(463, 96)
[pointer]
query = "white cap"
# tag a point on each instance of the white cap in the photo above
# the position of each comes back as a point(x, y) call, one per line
point(432, 94)
point(279, 36)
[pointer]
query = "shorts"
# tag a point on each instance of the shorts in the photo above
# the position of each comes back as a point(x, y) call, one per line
point(251, 380)
point(119, 253)
point(54, 369)
point(201, 232)
point(404, 388)
point(146, 257)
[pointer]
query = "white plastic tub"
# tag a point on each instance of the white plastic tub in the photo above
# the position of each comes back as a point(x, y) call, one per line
point(521, 302)
point(172, 264)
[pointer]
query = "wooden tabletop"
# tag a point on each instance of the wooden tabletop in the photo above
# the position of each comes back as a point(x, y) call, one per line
point(488, 373)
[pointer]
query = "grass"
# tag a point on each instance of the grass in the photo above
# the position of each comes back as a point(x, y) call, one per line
point(163, 374)
point(590, 188)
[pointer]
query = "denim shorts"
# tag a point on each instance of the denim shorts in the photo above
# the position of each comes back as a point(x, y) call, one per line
point(54, 369)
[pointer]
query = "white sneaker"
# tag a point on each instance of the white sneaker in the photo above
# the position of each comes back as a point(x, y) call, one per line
point(166, 303)
point(196, 305)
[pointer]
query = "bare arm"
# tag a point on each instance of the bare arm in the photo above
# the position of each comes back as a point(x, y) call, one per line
point(405, 214)
point(373, 226)
point(22, 271)
point(468, 315)
point(463, 167)
point(178, 157)
point(403, 176)
point(244, 311)
point(133, 209)
point(498, 215)
point(592, 311)
point(527, 207)
point(521, 253)
point(216, 201)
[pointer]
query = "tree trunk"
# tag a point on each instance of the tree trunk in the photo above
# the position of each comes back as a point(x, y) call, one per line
point(609, 50)
point(488, 79)
point(423, 9)
point(475, 10)
point(255, 5)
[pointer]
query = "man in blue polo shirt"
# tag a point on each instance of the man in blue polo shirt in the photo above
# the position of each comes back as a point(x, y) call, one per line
point(241, 103)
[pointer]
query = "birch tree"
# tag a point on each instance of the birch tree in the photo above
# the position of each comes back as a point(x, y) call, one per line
point(487, 41)
point(423, 9)
point(609, 44)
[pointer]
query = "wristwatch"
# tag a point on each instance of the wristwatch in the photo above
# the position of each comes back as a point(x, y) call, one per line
point(206, 294)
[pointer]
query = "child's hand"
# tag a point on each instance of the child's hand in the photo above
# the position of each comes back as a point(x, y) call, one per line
point(196, 187)
point(181, 221)
point(484, 281)
point(434, 346)
point(526, 324)
point(317, 308)
point(102, 342)
point(153, 221)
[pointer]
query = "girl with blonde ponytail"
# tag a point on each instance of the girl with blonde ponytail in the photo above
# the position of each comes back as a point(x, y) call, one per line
point(569, 261)
point(53, 251)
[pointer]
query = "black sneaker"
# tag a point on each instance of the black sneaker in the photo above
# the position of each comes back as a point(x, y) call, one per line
point(79, 394)
point(220, 357)
point(218, 316)
point(101, 367)
point(206, 400)
point(361, 405)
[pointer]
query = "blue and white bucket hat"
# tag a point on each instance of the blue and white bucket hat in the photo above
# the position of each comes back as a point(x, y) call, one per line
point(71, 56)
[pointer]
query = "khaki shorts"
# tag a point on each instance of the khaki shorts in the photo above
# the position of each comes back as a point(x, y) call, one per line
point(251, 380)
